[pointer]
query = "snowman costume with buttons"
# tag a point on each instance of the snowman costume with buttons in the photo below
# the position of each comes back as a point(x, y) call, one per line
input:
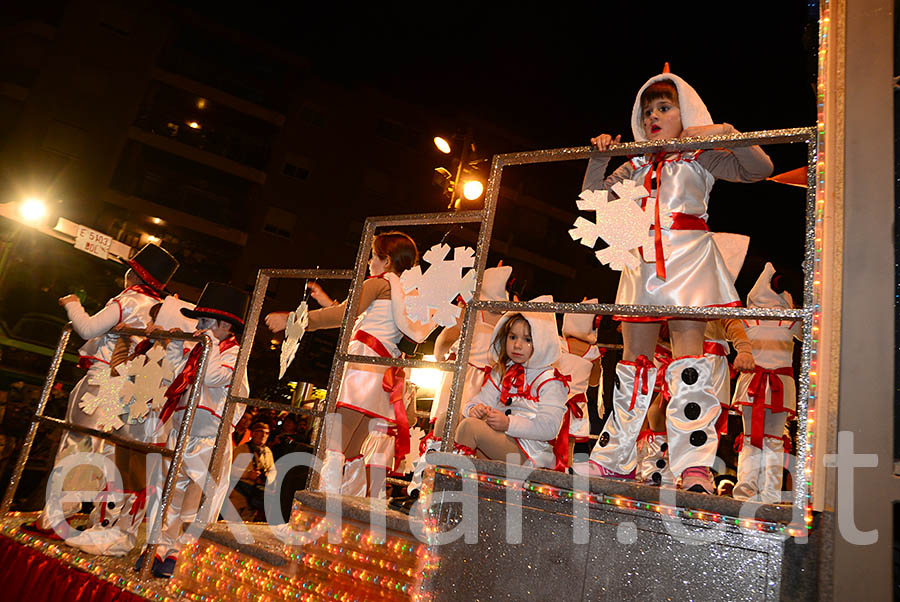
point(691, 270)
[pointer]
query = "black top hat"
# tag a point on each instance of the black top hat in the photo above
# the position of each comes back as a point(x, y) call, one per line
point(221, 302)
point(154, 265)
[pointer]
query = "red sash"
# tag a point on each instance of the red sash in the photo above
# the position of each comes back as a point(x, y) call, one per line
point(392, 382)
point(680, 221)
point(756, 391)
point(714, 348)
point(183, 381)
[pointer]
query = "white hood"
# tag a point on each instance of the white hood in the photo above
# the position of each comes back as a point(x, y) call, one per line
point(580, 326)
point(493, 285)
point(693, 111)
point(762, 295)
point(544, 335)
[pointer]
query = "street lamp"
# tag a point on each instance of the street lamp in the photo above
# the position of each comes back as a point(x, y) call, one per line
point(470, 188)
point(33, 210)
point(442, 145)
point(473, 189)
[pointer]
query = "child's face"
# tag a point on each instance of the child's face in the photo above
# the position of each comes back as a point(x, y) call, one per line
point(661, 119)
point(377, 265)
point(518, 342)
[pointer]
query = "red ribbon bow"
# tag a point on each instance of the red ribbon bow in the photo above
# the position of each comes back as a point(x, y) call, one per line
point(763, 379)
point(641, 367)
point(487, 373)
point(514, 377)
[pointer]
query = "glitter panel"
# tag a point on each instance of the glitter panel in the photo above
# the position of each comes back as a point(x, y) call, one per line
point(627, 554)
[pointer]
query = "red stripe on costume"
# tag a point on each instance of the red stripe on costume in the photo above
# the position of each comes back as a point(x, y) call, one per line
point(557, 375)
point(146, 276)
point(219, 312)
point(714, 348)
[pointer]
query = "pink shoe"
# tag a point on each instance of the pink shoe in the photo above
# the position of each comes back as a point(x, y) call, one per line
point(592, 469)
point(697, 479)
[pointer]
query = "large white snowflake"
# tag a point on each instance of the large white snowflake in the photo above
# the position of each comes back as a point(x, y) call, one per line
point(621, 223)
point(106, 405)
point(297, 322)
point(148, 378)
point(441, 283)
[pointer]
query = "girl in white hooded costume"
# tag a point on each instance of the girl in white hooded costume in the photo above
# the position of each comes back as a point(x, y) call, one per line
point(371, 401)
point(493, 288)
point(518, 413)
point(766, 397)
point(686, 269)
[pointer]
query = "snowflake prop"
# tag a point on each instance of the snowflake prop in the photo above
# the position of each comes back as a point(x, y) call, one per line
point(441, 283)
point(151, 374)
point(106, 405)
point(297, 323)
point(415, 439)
point(621, 223)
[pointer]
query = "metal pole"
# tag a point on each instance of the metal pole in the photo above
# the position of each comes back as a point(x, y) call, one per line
point(38, 413)
point(183, 432)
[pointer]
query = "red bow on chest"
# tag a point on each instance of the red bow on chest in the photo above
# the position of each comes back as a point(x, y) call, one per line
point(514, 378)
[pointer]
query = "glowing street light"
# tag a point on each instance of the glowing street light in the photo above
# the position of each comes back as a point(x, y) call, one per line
point(473, 189)
point(193, 125)
point(33, 210)
point(442, 145)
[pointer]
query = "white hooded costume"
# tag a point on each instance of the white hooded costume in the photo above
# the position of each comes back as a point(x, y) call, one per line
point(536, 402)
point(578, 367)
point(692, 270)
point(766, 397)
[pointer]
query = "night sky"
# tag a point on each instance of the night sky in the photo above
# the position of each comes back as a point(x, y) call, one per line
point(555, 74)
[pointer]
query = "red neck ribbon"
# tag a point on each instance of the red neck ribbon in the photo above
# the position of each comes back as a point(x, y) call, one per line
point(514, 377)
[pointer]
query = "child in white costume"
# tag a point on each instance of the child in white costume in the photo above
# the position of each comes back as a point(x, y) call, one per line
point(688, 269)
point(220, 314)
point(766, 397)
point(518, 413)
point(150, 271)
point(493, 288)
point(371, 402)
point(580, 361)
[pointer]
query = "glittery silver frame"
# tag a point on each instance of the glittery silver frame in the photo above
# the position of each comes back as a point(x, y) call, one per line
point(486, 218)
point(177, 455)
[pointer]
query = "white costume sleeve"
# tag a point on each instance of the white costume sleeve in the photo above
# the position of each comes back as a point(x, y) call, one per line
point(176, 356)
point(88, 327)
point(489, 396)
point(551, 409)
point(220, 368)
